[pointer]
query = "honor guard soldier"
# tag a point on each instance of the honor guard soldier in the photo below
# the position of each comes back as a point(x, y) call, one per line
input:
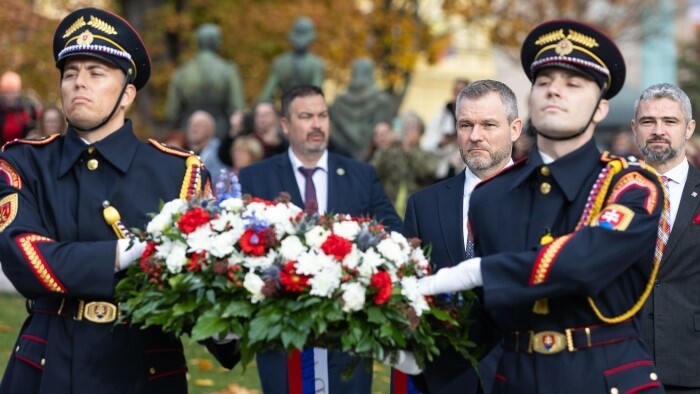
point(567, 237)
point(67, 202)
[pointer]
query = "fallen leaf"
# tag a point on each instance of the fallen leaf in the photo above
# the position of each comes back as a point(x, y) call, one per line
point(205, 365)
point(204, 382)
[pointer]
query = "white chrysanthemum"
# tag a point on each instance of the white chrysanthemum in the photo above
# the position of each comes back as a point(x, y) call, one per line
point(291, 248)
point(316, 236)
point(353, 296)
point(395, 248)
point(369, 263)
point(352, 259)
point(280, 216)
point(254, 284)
point(159, 223)
point(177, 257)
point(421, 261)
point(232, 204)
point(410, 290)
point(254, 208)
point(347, 229)
point(174, 207)
point(260, 263)
point(311, 262)
point(327, 281)
point(222, 244)
point(222, 222)
point(163, 249)
point(237, 258)
point(200, 239)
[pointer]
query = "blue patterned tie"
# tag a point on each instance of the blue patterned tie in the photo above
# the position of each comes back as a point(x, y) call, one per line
point(469, 251)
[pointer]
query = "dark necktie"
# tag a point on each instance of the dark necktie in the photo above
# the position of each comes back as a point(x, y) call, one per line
point(469, 251)
point(310, 201)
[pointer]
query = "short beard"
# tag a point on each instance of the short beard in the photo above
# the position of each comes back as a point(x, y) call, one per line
point(480, 165)
point(658, 155)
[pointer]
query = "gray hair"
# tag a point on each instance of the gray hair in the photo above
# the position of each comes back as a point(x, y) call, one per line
point(667, 91)
point(479, 89)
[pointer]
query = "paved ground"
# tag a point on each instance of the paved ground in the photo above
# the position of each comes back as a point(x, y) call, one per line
point(5, 285)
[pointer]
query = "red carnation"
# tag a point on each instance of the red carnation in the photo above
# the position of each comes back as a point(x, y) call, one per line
point(291, 280)
point(337, 247)
point(192, 219)
point(382, 282)
point(149, 265)
point(254, 242)
point(195, 263)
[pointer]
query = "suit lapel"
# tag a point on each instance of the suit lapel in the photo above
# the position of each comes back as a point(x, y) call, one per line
point(450, 212)
point(338, 186)
point(686, 209)
point(288, 180)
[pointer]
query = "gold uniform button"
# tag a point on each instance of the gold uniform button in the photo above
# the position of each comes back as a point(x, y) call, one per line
point(614, 390)
point(92, 164)
point(91, 149)
point(545, 171)
point(653, 376)
point(152, 371)
point(545, 188)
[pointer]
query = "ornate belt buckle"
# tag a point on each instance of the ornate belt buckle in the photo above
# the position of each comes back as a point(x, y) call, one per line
point(548, 342)
point(100, 312)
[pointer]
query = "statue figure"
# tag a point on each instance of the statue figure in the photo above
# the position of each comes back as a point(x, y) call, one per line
point(355, 111)
point(297, 67)
point(207, 82)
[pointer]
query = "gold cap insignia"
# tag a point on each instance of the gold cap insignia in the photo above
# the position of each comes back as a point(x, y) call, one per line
point(75, 26)
point(564, 47)
point(85, 38)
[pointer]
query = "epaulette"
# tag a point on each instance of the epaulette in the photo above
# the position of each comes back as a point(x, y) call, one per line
point(517, 164)
point(192, 182)
point(172, 150)
point(27, 141)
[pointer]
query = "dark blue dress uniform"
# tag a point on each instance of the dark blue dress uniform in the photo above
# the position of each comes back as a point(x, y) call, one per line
point(57, 250)
point(569, 251)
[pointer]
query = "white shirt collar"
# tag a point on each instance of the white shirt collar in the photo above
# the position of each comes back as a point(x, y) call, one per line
point(296, 163)
point(679, 173)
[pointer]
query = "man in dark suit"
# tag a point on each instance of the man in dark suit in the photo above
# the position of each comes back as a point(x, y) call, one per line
point(328, 183)
point(487, 126)
point(566, 240)
point(58, 244)
point(671, 316)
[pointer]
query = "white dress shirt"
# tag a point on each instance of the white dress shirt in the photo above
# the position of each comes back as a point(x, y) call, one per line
point(676, 181)
point(320, 178)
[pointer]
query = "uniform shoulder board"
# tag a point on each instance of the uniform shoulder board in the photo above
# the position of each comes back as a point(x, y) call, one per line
point(516, 164)
point(172, 150)
point(608, 158)
point(27, 141)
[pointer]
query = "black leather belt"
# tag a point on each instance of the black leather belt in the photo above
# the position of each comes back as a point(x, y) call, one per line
point(570, 339)
point(92, 311)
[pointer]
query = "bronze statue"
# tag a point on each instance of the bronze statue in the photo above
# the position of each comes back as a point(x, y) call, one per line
point(296, 67)
point(207, 82)
point(355, 112)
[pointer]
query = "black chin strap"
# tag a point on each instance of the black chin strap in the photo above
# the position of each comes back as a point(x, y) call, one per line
point(582, 129)
point(127, 80)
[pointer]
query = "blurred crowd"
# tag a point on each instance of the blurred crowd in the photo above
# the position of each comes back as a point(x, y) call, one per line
point(207, 114)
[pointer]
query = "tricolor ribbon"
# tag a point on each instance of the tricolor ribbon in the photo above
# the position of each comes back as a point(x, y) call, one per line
point(307, 371)
point(401, 383)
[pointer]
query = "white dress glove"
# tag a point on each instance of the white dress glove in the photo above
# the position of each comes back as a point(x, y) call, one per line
point(463, 276)
point(405, 362)
point(126, 255)
point(231, 336)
